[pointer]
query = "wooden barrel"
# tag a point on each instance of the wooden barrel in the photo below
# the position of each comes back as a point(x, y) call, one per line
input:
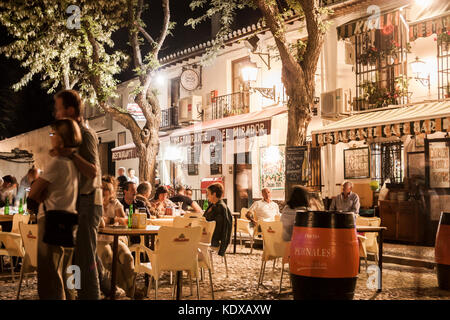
point(324, 255)
point(442, 251)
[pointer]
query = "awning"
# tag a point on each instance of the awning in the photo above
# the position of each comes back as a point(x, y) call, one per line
point(127, 151)
point(427, 27)
point(396, 121)
point(239, 126)
point(361, 25)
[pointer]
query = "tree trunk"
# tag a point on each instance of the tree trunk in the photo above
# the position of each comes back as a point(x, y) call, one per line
point(299, 116)
point(147, 160)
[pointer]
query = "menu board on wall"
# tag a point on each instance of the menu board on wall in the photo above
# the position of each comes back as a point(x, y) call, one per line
point(193, 159)
point(296, 164)
point(216, 158)
point(356, 163)
point(438, 169)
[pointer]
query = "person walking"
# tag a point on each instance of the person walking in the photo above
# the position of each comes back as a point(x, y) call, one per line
point(57, 188)
point(121, 180)
point(132, 177)
point(68, 104)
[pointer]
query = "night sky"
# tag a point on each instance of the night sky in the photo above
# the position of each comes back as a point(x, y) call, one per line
point(31, 108)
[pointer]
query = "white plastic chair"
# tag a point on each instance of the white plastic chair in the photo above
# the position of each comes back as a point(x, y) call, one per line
point(29, 234)
point(205, 255)
point(368, 243)
point(17, 219)
point(193, 215)
point(274, 247)
point(176, 250)
point(182, 222)
point(13, 247)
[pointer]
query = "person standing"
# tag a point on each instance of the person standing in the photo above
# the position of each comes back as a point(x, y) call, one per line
point(68, 104)
point(132, 177)
point(347, 200)
point(8, 190)
point(121, 180)
point(57, 188)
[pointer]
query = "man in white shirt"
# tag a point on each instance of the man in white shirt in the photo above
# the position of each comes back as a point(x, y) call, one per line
point(264, 209)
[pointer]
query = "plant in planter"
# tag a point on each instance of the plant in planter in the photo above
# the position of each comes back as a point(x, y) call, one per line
point(379, 97)
point(443, 38)
point(371, 54)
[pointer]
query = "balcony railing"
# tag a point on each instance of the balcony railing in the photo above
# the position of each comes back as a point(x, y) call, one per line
point(230, 105)
point(169, 119)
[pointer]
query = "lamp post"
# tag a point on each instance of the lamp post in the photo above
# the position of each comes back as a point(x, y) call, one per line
point(249, 74)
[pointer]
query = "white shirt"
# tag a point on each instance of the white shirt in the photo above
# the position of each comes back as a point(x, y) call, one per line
point(265, 210)
point(109, 211)
point(62, 191)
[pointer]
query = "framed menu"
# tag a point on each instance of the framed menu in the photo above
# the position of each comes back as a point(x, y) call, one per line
point(416, 164)
point(357, 163)
point(437, 156)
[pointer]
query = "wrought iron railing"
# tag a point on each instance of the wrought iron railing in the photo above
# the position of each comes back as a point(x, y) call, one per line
point(169, 119)
point(230, 105)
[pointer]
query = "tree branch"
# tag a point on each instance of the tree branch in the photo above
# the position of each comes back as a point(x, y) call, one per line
point(315, 37)
point(133, 34)
point(270, 13)
point(165, 28)
point(146, 35)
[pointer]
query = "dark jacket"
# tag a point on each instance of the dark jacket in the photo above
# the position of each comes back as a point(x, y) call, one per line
point(220, 213)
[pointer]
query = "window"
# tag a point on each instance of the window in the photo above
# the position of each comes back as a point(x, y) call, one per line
point(381, 66)
point(174, 91)
point(314, 180)
point(387, 162)
point(121, 139)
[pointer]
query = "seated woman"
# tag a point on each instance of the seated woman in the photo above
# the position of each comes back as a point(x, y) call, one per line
point(218, 211)
point(113, 214)
point(160, 202)
point(299, 200)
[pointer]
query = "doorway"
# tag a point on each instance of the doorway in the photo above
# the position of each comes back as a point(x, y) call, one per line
point(107, 165)
point(242, 175)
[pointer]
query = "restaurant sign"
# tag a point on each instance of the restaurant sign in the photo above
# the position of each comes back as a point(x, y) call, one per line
point(383, 131)
point(124, 154)
point(247, 130)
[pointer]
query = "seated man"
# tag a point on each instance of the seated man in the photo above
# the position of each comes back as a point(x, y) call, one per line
point(144, 191)
point(264, 209)
point(8, 190)
point(347, 200)
point(129, 198)
point(181, 197)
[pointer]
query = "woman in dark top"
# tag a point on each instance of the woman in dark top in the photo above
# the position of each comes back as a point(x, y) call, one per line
point(218, 211)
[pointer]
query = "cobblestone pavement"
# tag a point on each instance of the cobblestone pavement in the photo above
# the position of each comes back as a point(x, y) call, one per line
point(399, 282)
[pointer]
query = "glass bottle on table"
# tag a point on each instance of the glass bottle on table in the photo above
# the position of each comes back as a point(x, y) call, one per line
point(205, 205)
point(7, 206)
point(21, 206)
point(130, 214)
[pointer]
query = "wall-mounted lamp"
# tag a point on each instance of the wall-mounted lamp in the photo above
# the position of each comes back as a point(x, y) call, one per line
point(250, 74)
point(419, 69)
point(252, 46)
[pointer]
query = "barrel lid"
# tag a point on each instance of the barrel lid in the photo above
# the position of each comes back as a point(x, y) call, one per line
point(445, 218)
point(325, 219)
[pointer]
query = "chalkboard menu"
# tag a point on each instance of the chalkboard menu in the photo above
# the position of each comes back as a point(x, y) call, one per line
point(296, 164)
point(216, 158)
point(437, 152)
point(356, 163)
point(193, 159)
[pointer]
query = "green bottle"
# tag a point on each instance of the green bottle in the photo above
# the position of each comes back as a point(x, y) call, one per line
point(130, 214)
point(7, 206)
point(205, 205)
point(21, 206)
